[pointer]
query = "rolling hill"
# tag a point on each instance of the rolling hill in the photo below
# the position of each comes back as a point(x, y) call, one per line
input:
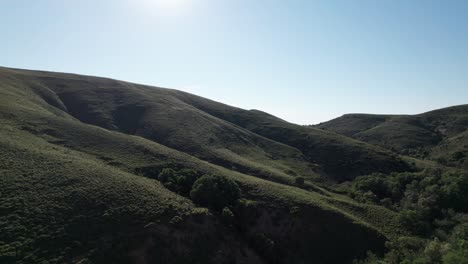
point(249, 141)
point(79, 163)
point(340, 158)
point(439, 135)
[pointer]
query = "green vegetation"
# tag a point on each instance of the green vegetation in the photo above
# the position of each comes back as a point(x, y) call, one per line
point(215, 192)
point(453, 250)
point(439, 135)
point(431, 205)
point(94, 170)
point(180, 182)
point(421, 198)
point(299, 181)
point(340, 158)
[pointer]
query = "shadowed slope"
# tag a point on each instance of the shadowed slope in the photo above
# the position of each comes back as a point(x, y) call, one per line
point(156, 114)
point(247, 141)
point(340, 157)
point(78, 190)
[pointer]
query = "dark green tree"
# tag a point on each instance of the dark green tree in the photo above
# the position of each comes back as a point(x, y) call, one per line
point(215, 192)
point(185, 180)
point(166, 174)
point(178, 181)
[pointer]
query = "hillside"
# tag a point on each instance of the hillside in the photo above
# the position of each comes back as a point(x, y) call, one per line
point(79, 163)
point(340, 158)
point(248, 141)
point(422, 135)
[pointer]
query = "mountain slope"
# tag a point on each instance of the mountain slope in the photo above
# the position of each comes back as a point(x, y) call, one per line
point(417, 135)
point(77, 189)
point(339, 157)
point(210, 130)
point(156, 114)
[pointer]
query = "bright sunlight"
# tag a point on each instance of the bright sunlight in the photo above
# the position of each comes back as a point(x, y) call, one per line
point(166, 7)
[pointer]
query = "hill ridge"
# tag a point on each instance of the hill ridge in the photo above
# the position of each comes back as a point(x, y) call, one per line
point(87, 193)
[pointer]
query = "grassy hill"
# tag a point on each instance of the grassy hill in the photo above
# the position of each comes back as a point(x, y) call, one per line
point(79, 163)
point(248, 141)
point(340, 158)
point(439, 135)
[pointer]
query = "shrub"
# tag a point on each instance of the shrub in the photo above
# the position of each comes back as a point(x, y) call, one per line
point(300, 181)
point(455, 191)
point(227, 216)
point(459, 249)
point(180, 181)
point(215, 192)
point(415, 222)
point(166, 174)
point(421, 198)
point(185, 180)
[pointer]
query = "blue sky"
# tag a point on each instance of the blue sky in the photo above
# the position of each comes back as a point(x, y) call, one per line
point(304, 61)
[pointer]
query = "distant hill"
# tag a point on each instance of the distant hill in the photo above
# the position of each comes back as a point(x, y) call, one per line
point(80, 158)
point(440, 134)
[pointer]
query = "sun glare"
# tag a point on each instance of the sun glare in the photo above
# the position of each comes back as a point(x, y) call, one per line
point(166, 7)
point(169, 3)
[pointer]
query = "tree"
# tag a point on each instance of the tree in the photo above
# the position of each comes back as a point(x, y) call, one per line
point(185, 180)
point(215, 192)
point(166, 174)
point(180, 181)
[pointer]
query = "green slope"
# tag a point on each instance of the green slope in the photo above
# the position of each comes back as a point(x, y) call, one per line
point(248, 141)
point(74, 188)
point(157, 114)
point(420, 135)
point(339, 157)
point(452, 151)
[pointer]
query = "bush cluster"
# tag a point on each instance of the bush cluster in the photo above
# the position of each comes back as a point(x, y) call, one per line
point(215, 192)
point(178, 181)
point(420, 198)
point(432, 205)
point(212, 191)
point(454, 250)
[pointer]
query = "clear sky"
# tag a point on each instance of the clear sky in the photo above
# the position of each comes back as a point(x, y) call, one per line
point(304, 61)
